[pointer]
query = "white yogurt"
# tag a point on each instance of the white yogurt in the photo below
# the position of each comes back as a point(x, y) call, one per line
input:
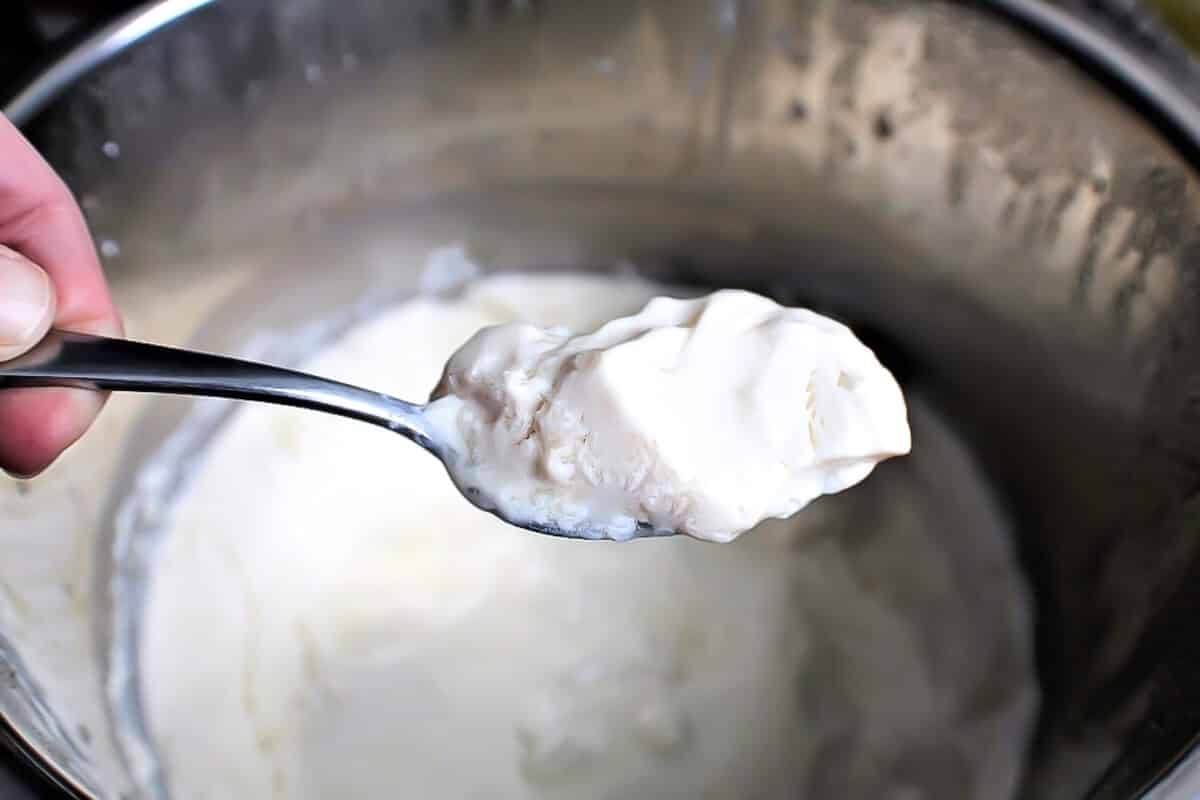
point(328, 618)
point(702, 416)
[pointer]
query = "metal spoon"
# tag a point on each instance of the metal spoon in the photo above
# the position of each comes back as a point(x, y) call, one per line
point(93, 362)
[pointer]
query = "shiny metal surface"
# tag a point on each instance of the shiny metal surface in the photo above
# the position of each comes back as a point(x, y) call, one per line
point(1021, 235)
point(94, 362)
point(1164, 89)
point(102, 45)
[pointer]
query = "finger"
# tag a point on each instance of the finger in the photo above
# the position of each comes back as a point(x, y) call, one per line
point(26, 304)
point(40, 219)
point(37, 425)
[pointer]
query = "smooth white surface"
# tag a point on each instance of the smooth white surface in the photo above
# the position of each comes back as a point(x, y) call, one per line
point(328, 618)
point(702, 416)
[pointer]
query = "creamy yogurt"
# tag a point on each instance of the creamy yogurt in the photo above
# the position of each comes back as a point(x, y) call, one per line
point(328, 618)
point(702, 416)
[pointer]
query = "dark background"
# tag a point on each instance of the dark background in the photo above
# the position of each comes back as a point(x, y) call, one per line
point(30, 30)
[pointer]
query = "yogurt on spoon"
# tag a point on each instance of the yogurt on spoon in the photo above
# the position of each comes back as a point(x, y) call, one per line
point(702, 416)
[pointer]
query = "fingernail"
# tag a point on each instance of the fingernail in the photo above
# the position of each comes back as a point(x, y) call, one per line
point(26, 304)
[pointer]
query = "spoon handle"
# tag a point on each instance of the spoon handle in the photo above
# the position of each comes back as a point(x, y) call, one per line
point(95, 362)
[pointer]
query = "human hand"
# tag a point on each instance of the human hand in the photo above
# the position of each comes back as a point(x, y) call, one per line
point(49, 276)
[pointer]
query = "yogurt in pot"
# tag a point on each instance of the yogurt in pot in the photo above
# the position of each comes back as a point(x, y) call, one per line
point(328, 618)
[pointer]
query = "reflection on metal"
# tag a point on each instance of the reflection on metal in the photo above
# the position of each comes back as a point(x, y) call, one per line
point(1113, 60)
point(98, 48)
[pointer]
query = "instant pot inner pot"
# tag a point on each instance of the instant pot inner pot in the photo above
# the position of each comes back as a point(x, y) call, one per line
point(993, 221)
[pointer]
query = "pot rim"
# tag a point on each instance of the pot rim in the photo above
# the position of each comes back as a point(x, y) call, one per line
point(96, 49)
point(1132, 75)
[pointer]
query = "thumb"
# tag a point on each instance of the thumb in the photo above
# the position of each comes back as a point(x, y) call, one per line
point(26, 303)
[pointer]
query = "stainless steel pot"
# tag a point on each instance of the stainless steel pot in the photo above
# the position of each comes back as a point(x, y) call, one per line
point(1017, 229)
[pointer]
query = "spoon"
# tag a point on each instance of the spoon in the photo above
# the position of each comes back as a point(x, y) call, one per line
point(79, 360)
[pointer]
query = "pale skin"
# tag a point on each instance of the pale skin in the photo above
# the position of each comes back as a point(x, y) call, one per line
point(50, 275)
